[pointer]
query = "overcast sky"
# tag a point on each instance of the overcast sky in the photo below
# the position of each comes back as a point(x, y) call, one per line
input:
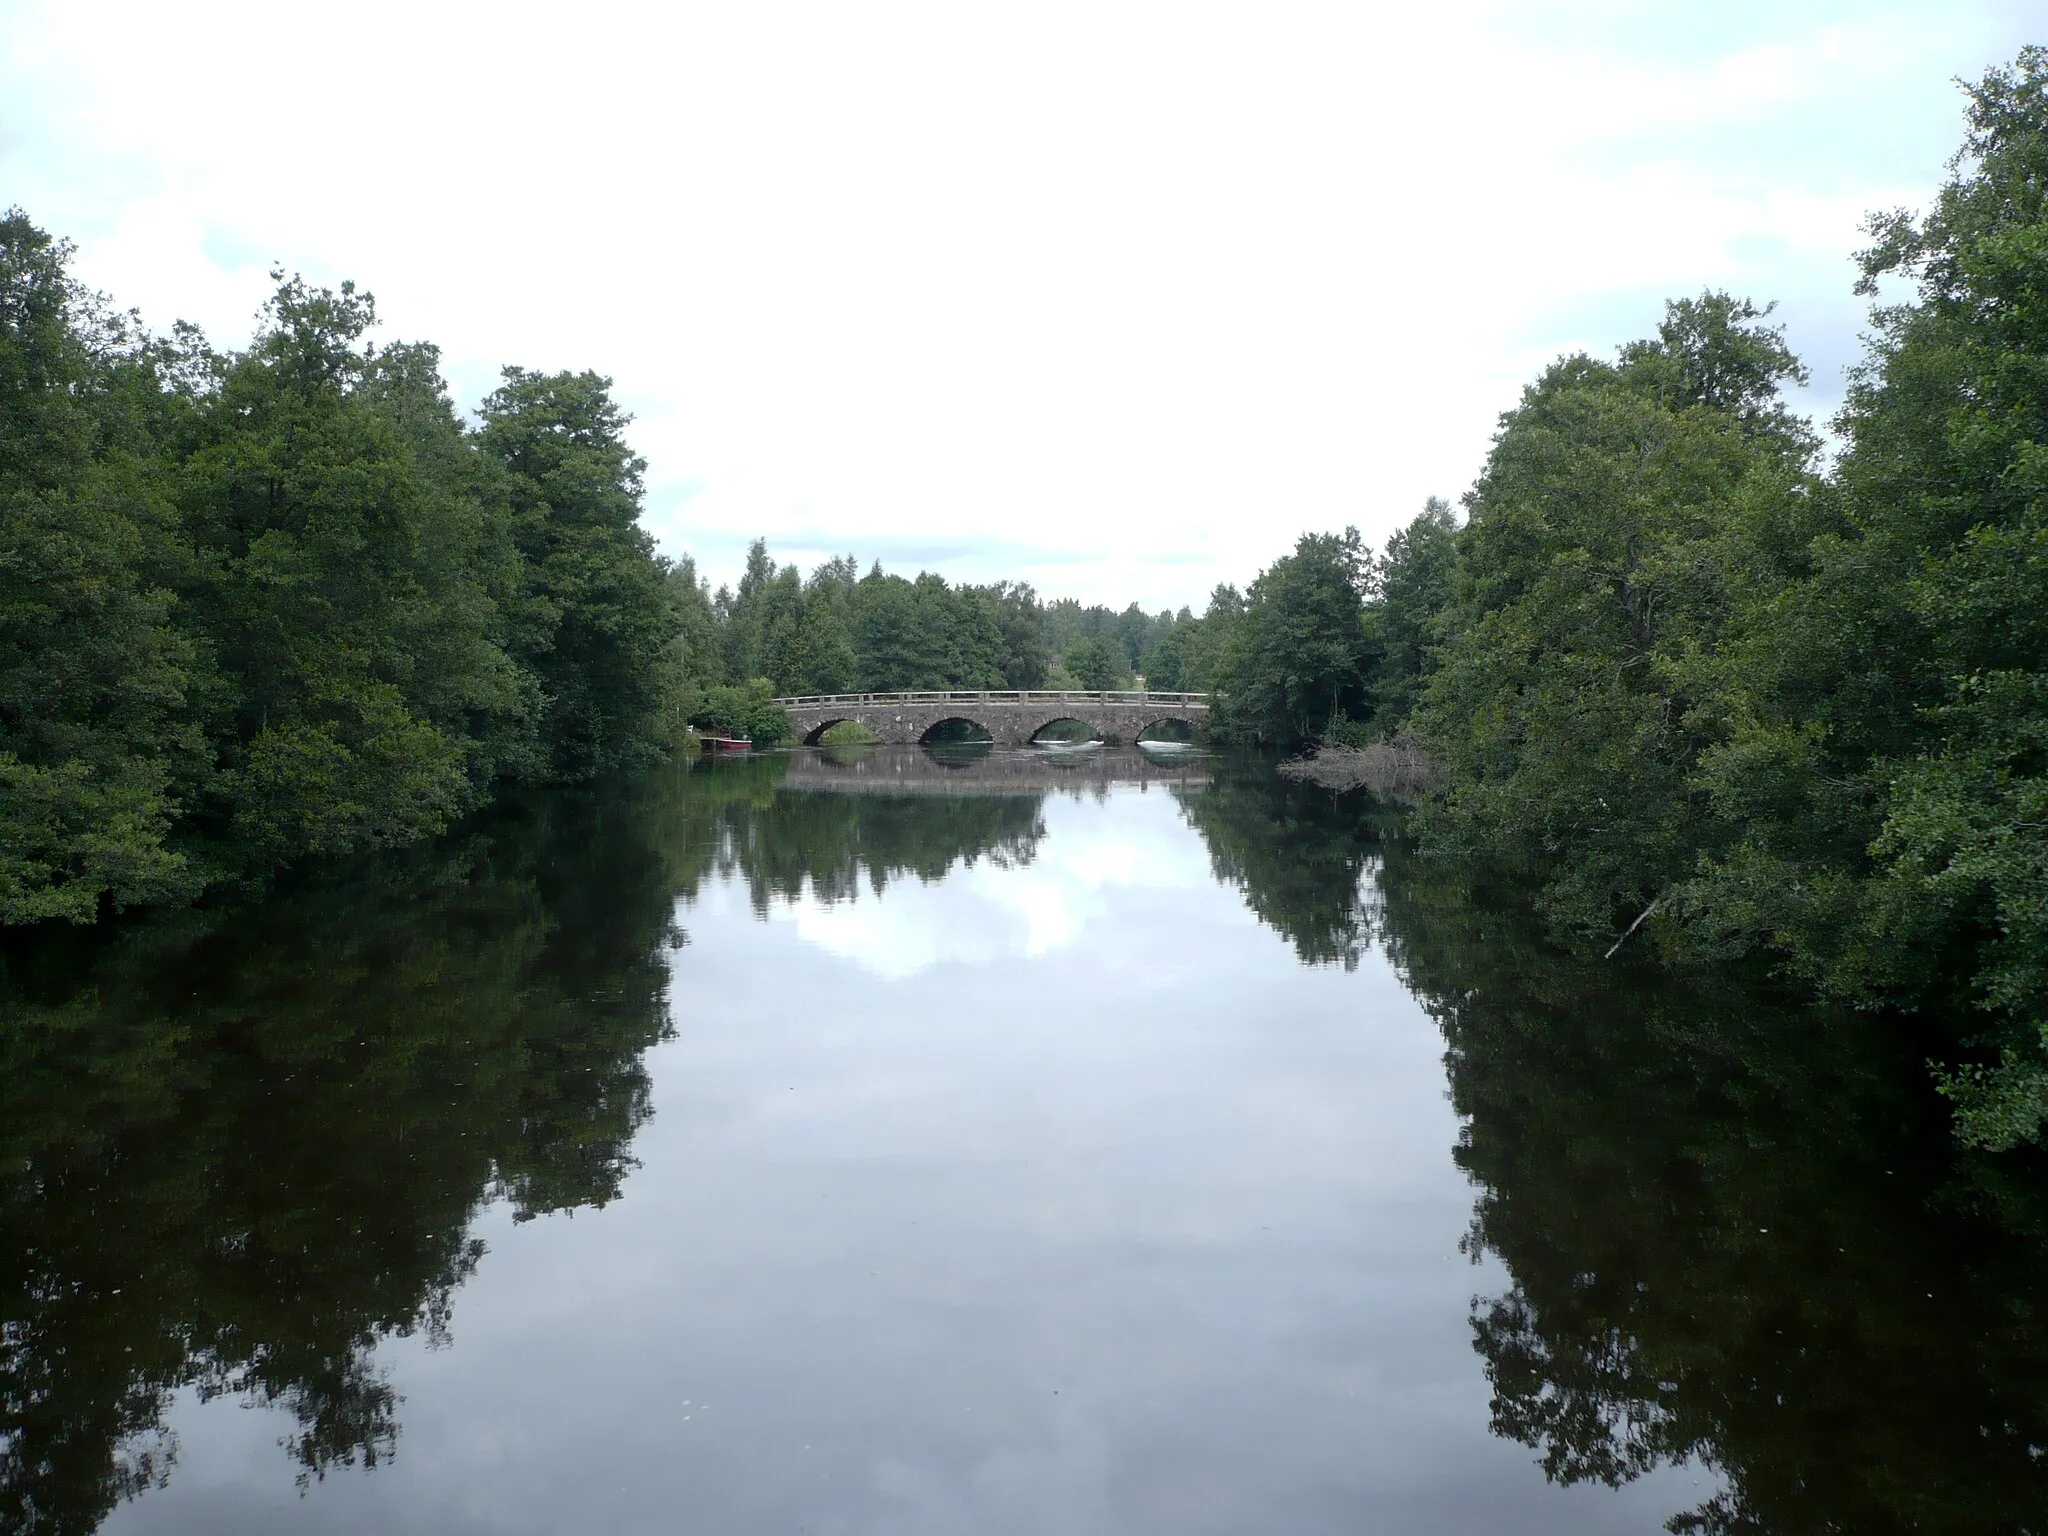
point(1117, 298)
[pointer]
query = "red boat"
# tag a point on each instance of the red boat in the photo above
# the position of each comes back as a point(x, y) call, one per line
point(728, 743)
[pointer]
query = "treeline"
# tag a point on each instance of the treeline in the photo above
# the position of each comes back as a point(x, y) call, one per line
point(261, 604)
point(1331, 641)
point(840, 631)
point(285, 601)
point(1712, 694)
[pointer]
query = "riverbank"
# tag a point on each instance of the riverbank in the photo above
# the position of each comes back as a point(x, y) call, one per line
point(1398, 771)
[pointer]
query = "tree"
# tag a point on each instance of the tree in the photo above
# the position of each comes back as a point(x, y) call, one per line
point(347, 578)
point(1298, 657)
point(100, 748)
point(1415, 583)
point(599, 627)
point(1617, 522)
point(1946, 475)
point(828, 629)
point(281, 603)
point(697, 660)
point(747, 710)
point(1097, 662)
point(1020, 625)
point(741, 628)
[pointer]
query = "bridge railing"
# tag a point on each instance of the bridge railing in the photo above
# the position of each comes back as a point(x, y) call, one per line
point(1003, 696)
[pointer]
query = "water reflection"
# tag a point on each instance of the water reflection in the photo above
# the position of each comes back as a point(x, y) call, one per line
point(238, 1152)
point(1300, 855)
point(1739, 1234)
point(239, 1149)
point(241, 1152)
point(982, 768)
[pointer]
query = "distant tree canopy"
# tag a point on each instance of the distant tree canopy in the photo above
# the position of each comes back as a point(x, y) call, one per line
point(839, 631)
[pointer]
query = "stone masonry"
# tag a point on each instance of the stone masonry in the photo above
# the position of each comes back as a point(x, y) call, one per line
point(1012, 717)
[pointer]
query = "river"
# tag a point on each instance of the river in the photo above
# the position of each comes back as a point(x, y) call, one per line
point(1079, 1143)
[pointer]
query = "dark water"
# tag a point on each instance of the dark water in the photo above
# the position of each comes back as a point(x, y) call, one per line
point(1079, 1145)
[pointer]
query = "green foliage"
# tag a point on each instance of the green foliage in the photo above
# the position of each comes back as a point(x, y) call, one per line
point(1014, 607)
point(1685, 678)
point(847, 733)
point(281, 603)
point(747, 710)
point(924, 634)
point(1416, 582)
point(1133, 633)
point(599, 625)
point(99, 747)
point(841, 632)
point(1097, 662)
point(1594, 571)
point(346, 590)
point(1947, 473)
point(1346, 732)
point(1299, 656)
point(1184, 659)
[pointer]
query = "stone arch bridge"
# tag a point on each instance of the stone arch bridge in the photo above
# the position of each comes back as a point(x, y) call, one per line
point(1012, 716)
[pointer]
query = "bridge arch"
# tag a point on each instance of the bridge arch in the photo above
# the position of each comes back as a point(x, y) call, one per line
point(1039, 738)
point(1184, 729)
point(955, 730)
point(816, 734)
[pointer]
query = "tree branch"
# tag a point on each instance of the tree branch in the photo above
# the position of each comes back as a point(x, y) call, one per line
point(1632, 927)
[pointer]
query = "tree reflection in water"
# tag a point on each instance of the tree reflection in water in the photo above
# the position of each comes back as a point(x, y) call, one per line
point(1739, 1233)
point(239, 1149)
point(1299, 854)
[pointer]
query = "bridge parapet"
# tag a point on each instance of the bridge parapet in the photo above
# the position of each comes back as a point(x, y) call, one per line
point(1011, 715)
point(1097, 696)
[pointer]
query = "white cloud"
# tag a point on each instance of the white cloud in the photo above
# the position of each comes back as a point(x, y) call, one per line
point(987, 913)
point(1116, 297)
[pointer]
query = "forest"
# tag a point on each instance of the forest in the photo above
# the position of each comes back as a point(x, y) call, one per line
point(263, 605)
point(1709, 681)
point(271, 604)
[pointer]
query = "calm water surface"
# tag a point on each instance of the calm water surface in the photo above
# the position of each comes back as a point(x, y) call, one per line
point(1012, 1144)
